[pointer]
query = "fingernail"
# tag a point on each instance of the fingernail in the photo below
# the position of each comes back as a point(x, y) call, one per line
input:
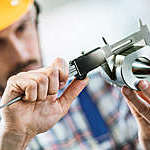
point(143, 84)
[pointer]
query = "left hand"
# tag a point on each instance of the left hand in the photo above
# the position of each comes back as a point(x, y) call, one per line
point(139, 104)
point(40, 108)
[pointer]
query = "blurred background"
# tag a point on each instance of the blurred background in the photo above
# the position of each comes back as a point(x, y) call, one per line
point(68, 27)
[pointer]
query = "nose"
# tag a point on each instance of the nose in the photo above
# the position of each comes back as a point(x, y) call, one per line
point(17, 49)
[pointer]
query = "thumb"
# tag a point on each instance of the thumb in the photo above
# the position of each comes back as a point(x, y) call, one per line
point(71, 93)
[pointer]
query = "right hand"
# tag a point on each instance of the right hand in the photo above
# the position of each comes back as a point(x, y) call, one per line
point(40, 109)
point(139, 104)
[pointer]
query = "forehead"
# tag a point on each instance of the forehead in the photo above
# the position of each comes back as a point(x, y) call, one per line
point(31, 14)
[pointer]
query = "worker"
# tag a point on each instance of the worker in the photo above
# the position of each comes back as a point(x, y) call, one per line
point(98, 118)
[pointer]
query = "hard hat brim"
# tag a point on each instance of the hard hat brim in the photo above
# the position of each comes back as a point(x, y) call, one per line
point(10, 14)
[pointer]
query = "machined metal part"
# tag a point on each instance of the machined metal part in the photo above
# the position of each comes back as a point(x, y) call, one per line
point(129, 69)
point(130, 63)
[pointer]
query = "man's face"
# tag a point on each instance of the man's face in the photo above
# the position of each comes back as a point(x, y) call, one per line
point(19, 47)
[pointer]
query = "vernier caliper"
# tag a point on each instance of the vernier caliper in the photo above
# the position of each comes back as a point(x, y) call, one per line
point(124, 63)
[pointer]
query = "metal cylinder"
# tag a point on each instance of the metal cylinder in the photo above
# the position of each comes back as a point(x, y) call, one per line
point(141, 68)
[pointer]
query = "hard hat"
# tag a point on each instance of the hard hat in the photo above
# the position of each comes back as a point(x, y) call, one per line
point(12, 10)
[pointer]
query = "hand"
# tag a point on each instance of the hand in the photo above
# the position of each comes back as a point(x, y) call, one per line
point(139, 104)
point(40, 109)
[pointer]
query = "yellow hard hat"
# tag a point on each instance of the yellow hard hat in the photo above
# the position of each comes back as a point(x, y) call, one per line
point(12, 10)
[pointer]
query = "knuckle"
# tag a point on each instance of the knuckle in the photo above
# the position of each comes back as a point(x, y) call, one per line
point(32, 85)
point(59, 60)
point(43, 79)
point(12, 79)
point(53, 72)
point(53, 91)
point(62, 66)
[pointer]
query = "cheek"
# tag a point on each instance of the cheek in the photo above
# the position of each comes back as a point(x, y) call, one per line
point(31, 43)
point(4, 68)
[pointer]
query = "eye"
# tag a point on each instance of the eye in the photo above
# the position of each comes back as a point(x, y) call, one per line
point(2, 41)
point(21, 28)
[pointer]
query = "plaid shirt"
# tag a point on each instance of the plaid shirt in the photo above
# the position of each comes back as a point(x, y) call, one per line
point(73, 132)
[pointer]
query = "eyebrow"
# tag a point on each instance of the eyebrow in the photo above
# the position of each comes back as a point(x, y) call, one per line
point(29, 18)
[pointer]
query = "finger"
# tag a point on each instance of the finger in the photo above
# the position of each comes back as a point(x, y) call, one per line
point(53, 81)
point(143, 96)
point(142, 121)
point(57, 74)
point(144, 86)
point(17, 86)
point(133, 110)
point(71, 93)
point(42, 83)
point(53, 78)
point(63, 68)
point(132, 97)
